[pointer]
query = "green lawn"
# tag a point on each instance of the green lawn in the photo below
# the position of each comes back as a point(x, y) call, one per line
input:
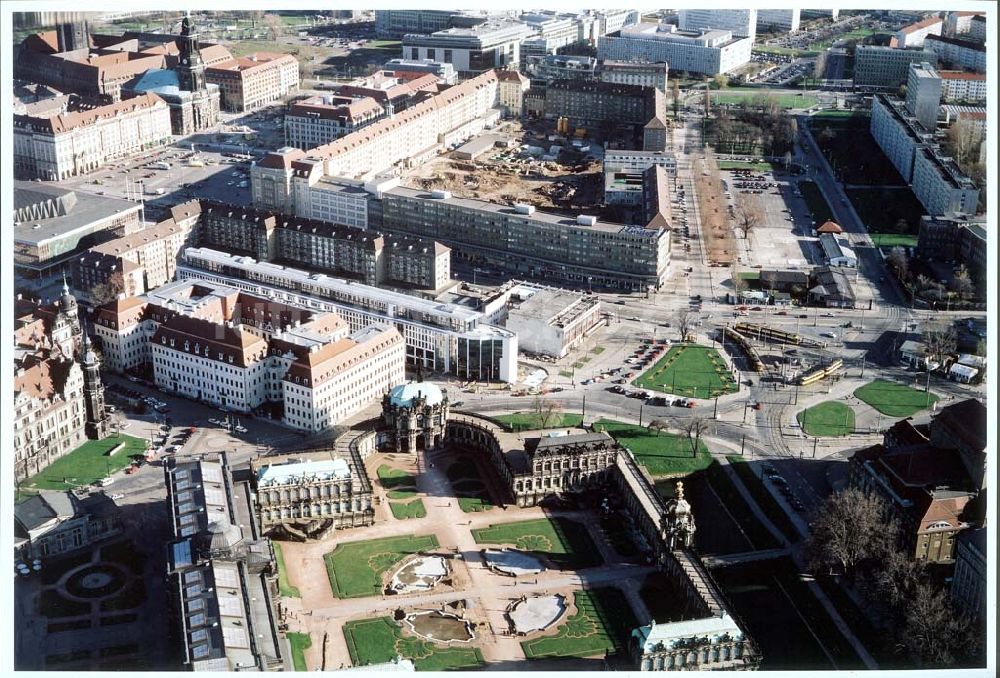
point(87, 464)
point(597, 350)
point(882, 209)
point(469, 486)
point(784, 100)
point(895, 400)
point(565, 542)
point(400, 484)
point(816, 202)
point(663, 454)
point(380, 640)
point(689, 370)
point(832, 418)
point(404, 510)
point(530, 421)
point(300, 642)
point(601, 624)
point(355, 569)
point(284, 588)
point(893, 240)
point(755, 166)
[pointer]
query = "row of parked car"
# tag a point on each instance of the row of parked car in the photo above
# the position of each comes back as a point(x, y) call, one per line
point(782, 485)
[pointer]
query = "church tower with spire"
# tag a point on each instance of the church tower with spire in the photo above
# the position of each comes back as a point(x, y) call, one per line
point(680, 522)
point(66, 326)
point(93, 392)
point(190, 67)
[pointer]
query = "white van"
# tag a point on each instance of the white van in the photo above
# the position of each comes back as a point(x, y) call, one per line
point(104, 482)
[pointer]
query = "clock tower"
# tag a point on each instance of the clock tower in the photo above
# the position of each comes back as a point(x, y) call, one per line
point(190, 69)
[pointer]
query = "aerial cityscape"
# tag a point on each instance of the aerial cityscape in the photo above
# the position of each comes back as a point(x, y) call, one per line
point(500, 339)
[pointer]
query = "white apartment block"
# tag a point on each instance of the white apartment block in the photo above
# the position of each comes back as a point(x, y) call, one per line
point(54, 148)
point(940, 186)
point(553, 30)
point(778, 20)
point(742, 23)
point(442, 337)
point(624, 160)
point(898, 134)
point(708, 53)
point(887, 67)
point(977, 29)
point(923, 94)
point(335, 199)
point(323, 119)
point(963, 86)
point(470, 50)
point(958, 23)
point(230, 350)
point(914, 34)
point(957, 53)
point(636, 73)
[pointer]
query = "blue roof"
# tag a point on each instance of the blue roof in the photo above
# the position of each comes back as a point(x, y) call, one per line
point(404, 394)
point(158, 80)
point(675, 632)
point(281, 474)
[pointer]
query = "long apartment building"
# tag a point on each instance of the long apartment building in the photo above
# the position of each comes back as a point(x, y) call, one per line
point(778, 20)
point(703, 52)
point(887, 67)
point(67, 144)
point(244, 353)
point(531, 243)
point(639, 74)
point(958, 54)
point(914, 34)
point(446, 118)
point(439, 337)
point(592, 104)
point(962, 86)
point(395, 23)
point(247, 83)
point(740, 22)
point(319, 120)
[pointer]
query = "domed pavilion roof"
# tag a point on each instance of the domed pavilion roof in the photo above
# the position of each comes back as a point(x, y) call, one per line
point(404, 394)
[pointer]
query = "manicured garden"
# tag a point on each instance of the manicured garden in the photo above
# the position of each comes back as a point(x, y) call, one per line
point(895, 400)
point(753, 96)
point(816, 202)
point(891, 240)
point(689, 370)
point(564, 542)
point(403, 486)
point(404, 510)
point(532, 421)
point(380, 640)
point(87, 464)
point(469, 487)
point(355, 569)
point(662, 454)
point(830, 418)
point(300, 642)
point(601, 625)
point(284, 588)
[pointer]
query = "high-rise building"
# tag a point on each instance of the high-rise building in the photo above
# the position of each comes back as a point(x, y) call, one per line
point(742, 23)
point(923, 94)
point(887, 67)
point(958, 54)
point(702, 52)
point(778, 20)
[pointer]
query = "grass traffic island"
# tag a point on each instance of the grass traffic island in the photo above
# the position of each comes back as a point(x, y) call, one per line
point(662, 454)
point(300, 642)
point(532, 421)
point(564, 542)
point(895, 400)
point(600, 625)
point(87, 464)
point(689, 370)
point(468, 485)
point(285, 589)
point(739, 165)
point(355, 569)
point(380, 640)
point(830, 418)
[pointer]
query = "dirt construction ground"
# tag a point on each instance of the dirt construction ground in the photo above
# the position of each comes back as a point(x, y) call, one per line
point(716, 231)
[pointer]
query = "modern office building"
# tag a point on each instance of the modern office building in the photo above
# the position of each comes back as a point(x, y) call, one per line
point(396, 23)
point(962, 86)
point(67, 144)
point(550, 321)
point(471, 50)
point(445, 72)
point(923, 94)
point(220, 346)
point(702, 52)
point(134, 263)
point(742, 23)
point(439, 337)
point(305, 494)
point(914, 34)
point(53, 225)
point(531, 243)
point(778, 20)
point(250, 82)
point(592, 104)
point(958, 54)
point(887, 67)
point(563, 67)
point(221, 572)
point(635, 73)
point(623, 160)
point(555, 30)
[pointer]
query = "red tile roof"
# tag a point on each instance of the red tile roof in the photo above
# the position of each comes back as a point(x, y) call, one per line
point(913, 28)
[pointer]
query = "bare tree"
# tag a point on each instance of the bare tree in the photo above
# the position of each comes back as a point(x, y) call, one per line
point(675, 95)
point(899, 262)
point(819, 70)
point(107, 291)
point(934, 633)
point(923, 282)
point(749, 213)
point(848, 530)
point(721, 81)
point(786, 160)
point(940, 339)
point(274, 26)
point(658, 425)
point(685, 321)
point(739, 284)
point(963, 282)
point(963, 140)
point(547, 412)
point(695, 428)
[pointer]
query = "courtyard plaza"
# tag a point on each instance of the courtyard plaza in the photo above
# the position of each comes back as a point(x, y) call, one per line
point(488, 594)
